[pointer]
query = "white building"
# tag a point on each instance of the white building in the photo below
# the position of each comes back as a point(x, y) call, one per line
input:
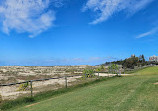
point(153, 58)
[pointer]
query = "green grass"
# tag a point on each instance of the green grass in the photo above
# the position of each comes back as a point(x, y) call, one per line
point(135, 70)
point(148, 71)
point(131, 93)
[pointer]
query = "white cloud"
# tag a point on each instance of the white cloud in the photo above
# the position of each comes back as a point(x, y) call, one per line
point(57, 3)
point(31, 16)
point(151, 32)
point(106, 8)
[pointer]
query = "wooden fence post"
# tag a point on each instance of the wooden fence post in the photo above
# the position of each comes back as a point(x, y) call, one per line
point(31, 89)
point(124, 70)
point(66, 81)
point(120, 72)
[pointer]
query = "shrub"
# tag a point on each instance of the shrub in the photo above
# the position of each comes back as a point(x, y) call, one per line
point(88, 73)
point(23, 87)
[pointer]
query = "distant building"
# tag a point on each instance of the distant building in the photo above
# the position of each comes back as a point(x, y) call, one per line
point(133, 55)
point(153, 58)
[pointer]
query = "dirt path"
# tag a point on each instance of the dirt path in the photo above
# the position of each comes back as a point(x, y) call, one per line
point(110, 75)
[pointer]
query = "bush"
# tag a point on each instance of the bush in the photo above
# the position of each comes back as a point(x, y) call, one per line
point(23, 87)
point(88, 73)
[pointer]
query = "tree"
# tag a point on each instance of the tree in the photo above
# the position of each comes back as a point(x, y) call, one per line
point(143, 58)
point(142, 61)
point(131, 62)
point(113, 68)
point(101, 68)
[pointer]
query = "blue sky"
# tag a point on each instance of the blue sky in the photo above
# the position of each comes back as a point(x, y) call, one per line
point(76, 32)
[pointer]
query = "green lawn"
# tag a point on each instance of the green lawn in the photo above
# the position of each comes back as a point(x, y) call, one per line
point(131, 93)
point(148, 71)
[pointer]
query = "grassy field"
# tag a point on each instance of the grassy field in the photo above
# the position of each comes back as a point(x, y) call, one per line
point(148, 71)
point(131, 93)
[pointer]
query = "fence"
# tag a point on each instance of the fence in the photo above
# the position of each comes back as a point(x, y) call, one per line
point(31, 87)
